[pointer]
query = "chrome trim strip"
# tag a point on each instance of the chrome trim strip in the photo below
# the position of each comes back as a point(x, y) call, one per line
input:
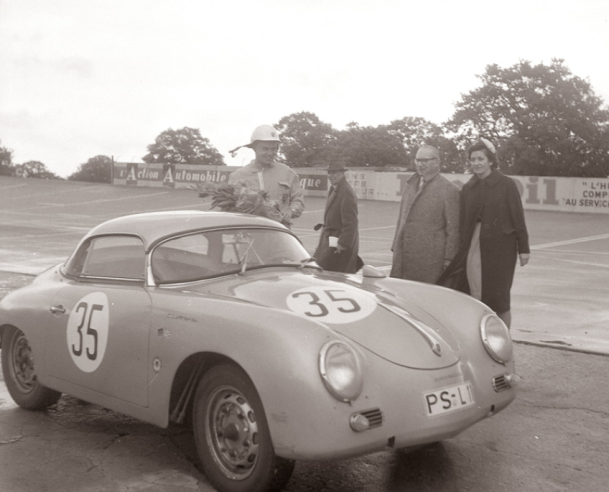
point(420, 327)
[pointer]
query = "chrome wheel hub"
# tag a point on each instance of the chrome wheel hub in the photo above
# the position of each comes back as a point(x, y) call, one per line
point(232, 433)
point(23, 364)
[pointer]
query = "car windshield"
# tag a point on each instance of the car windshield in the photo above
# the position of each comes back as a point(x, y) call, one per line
point(212, 253)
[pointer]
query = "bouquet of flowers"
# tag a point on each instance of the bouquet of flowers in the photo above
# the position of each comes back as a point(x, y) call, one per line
point(223, 195)
point(239, 198)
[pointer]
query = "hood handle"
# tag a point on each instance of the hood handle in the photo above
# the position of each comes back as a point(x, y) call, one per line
point(435, 346)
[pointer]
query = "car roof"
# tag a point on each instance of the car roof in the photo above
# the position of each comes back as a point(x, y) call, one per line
point(155, 226)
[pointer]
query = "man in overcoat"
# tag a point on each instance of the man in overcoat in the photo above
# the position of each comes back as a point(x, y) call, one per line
point(339, 240)
point(427, 232)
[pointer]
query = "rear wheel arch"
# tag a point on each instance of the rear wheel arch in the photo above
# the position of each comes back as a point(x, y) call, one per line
point(19, 372)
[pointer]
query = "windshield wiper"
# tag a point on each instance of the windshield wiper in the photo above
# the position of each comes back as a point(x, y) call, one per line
point(243, 259)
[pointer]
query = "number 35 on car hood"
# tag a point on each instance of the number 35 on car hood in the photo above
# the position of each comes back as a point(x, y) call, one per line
point(392, 328)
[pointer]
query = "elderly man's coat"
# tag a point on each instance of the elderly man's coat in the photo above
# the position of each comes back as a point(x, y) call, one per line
point(427, 232)
point(340, 220)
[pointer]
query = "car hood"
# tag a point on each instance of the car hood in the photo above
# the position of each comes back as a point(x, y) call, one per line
point(395, 329)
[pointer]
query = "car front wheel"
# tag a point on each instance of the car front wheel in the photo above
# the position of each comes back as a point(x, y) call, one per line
point(232, 436)
point(20, 375)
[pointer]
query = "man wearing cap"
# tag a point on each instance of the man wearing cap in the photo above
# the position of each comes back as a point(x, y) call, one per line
point(264, 173)
point(427, 231)
point(339, 240)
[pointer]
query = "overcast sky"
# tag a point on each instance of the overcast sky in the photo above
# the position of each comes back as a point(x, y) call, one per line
point(79, 78)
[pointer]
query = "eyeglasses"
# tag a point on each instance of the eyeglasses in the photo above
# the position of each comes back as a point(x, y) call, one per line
point(424, 161)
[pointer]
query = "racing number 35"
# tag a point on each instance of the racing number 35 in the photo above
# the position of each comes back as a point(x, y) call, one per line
point(87, 315)
point(338, 306)
point(321, 310)
point(87, 331)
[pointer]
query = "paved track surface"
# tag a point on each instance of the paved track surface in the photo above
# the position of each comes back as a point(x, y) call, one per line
point(553, 438)
point(560, 299)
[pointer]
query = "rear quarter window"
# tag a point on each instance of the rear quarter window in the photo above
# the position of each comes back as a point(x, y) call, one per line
point(121, 257)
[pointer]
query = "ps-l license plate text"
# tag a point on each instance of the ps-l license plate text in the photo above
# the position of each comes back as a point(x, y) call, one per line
point(448, 399)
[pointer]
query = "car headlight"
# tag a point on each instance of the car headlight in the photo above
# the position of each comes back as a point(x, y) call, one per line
point(496, 338)
point(341, 370)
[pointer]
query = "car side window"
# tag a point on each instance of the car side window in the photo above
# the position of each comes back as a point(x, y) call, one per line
point(119, 257)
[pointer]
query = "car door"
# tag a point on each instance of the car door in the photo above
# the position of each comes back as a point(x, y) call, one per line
point(99, 338)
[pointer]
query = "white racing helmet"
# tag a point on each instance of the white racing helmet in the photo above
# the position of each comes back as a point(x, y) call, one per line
point(265, 133)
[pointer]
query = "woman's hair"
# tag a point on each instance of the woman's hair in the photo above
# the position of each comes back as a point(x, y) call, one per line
point(488, 148)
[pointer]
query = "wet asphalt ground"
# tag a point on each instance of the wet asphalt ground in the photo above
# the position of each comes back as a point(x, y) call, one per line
point(554, 437)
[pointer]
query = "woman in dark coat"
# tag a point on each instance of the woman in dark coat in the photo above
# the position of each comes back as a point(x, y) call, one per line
point(493, 233)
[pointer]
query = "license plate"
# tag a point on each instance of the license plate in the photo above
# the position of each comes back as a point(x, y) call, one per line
point(448, 399)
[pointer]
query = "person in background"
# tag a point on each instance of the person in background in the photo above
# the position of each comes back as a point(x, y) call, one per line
point(264, 173)
point(427, 231)
point(493, 232)
point(339, 240)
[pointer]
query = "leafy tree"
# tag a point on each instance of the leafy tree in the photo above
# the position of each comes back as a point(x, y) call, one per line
point(36, 169)
point(6, 162)
point(97, 169)
point(306, 141)
point(368, 146)
point(547, 121)
point(185, 146)
point(416, 131)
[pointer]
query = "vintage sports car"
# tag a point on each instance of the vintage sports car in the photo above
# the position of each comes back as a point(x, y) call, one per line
point(224, 321)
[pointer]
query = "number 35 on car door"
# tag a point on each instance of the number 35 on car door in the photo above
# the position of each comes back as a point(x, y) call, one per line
point(101, 341)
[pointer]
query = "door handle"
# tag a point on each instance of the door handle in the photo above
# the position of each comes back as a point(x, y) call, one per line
point(57, 309)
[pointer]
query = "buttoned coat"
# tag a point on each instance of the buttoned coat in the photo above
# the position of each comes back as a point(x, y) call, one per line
point(427, 231)
point(340, 220)
point(494, 202)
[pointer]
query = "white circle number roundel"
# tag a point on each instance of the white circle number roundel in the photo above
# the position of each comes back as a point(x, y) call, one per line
point(337, 305)
point(87, 333)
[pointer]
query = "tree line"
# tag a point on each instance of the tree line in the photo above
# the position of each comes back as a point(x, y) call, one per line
point(544, 120)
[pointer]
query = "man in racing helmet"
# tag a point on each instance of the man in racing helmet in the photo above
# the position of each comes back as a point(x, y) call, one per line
point(280, 182)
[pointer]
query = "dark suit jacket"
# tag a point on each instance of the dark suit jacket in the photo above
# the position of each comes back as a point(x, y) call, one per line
point(340, 220)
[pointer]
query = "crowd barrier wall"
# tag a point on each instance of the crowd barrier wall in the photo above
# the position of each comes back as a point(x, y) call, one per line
point(583, 195)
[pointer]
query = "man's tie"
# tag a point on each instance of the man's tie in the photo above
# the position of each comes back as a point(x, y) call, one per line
point(330, 194)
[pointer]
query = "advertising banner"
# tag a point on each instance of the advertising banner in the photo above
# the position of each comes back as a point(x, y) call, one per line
point(313, 181)
point(169, 175)
point(586, 195)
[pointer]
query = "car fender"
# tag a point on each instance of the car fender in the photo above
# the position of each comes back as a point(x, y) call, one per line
point(466, 327)
point(28, 310)
point(278, 350)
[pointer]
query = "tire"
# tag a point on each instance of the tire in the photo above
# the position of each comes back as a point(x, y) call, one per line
point(20, 374)
point(232, 436)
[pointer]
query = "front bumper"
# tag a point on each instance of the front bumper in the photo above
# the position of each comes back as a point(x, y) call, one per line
point(393, 400)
